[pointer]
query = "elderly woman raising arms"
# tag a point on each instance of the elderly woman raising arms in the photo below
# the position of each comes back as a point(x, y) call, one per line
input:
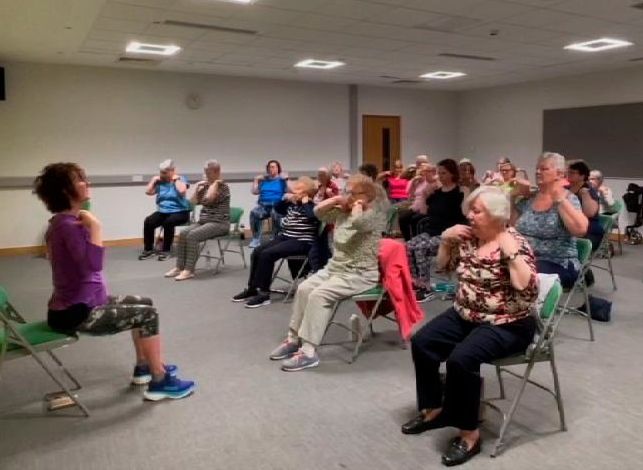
point(489, 319)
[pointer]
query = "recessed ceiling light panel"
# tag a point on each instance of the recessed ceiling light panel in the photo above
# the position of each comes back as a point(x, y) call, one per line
point(442, 75)
point(135, 47)
point(319, 64)
point(597, 45)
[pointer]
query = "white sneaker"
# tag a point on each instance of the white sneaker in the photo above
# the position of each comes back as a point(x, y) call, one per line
point(173, 272)
point(184, 275)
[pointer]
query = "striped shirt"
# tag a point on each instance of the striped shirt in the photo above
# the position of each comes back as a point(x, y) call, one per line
point(218, 210)
point(299, 221)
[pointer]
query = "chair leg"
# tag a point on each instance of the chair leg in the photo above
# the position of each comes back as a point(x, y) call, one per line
point(221, 251)
point(77, 385)
point(295, 282)
point(501, 383)
point(512, 410)
point(611, 270)
point(559, 397)
point(589, 312)
point(60, 383)
point(243, 254)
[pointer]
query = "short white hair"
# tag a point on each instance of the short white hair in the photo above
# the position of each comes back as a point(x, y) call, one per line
point(212, 164)
point(596, 174)
point(323, 169)
point(167, 165)
point(557, 158)
point(422, 159)
point(495, 200)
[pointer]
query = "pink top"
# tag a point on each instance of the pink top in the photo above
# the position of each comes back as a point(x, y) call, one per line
point(419, 198)
point(397, 188)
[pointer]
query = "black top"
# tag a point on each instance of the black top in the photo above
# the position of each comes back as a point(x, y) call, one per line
point(444, 211)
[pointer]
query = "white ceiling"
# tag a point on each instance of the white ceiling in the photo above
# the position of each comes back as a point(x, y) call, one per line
point(376, 38)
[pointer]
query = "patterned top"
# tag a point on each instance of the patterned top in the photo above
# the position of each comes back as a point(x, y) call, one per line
point(355, 240)
point(218, 210)
point(299, 221)
point(547, 234)
point(485, 293)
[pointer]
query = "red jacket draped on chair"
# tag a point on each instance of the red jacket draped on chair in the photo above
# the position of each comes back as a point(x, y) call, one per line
point(396, 279)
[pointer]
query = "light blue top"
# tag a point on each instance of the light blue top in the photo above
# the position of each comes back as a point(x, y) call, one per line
point(547, 234)
point(168, 198)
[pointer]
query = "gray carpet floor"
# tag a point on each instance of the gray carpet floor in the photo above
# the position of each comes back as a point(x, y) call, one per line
point(247, 414)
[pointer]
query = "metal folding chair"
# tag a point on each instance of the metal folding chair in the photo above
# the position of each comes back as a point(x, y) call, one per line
point(378, 295)
point(584, 248)
point(391, 220)
point(292, 285)
point(615, 214)
point(19, 338)
point(603, 252)
point(223, 242)
point(541, 349)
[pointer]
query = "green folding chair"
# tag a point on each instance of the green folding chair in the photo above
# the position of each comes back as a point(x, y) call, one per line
point(376, 294)
point(391, 220)
point(615, 213)
point(223, 243)
point(584, 248)
point(19, 338)
point(603, 252)
point(541, 349)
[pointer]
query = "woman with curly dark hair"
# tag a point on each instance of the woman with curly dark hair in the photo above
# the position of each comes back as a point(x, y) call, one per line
point(79, 301)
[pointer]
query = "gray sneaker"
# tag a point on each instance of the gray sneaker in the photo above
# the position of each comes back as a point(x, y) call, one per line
point(285, 350)
point(299, 361)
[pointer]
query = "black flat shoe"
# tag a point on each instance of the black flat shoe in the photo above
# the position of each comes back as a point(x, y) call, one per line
point(418, 424)
point(458, 452)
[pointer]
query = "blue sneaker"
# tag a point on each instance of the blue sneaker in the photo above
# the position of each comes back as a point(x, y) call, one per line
point(254, 243)
point(170, 387)
point(143, 375)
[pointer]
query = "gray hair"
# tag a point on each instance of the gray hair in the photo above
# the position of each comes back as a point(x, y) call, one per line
point(596, 174)
point(212, 164)
point(167, 165)
point(557, 158)
point(495, 200)
point(422, 159)
point(323, 169)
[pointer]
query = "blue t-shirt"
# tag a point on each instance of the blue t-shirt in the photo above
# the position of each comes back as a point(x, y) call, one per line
point(547, 234)
point(168, 198)
point(271, 190)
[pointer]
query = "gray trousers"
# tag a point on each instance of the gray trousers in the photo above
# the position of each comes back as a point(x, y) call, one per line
point(316, 298)
point(187, 247)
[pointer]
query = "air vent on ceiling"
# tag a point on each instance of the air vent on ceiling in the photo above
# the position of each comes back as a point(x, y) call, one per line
point(390, 77)
point(210, 27)
point(636, 59)
point(638, 6)
point(466, 56)
point(137, 60)
point(405, 82)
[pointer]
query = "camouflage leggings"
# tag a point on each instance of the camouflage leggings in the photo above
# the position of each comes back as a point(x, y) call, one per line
point(122, 313)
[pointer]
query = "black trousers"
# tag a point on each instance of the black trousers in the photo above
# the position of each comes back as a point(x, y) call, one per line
point(408, 221)
point(465, 346)
point(168, 222)
point(264, 257)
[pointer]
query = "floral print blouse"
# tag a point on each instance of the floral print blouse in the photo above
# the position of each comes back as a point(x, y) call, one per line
point(485, 293)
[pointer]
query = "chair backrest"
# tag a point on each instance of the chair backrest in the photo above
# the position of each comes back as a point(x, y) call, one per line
point(549, 315)
point(617, 207)
point(7, 312)
point(235, 217)
point(548, 308)
point(606, 222)
point(584, 248)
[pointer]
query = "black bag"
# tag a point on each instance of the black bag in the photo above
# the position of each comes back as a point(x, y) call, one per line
point(601, 309)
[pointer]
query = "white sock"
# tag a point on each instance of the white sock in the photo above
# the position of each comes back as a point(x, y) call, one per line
point(308, 349)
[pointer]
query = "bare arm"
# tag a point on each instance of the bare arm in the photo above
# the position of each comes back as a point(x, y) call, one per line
point(520, 272)
point(150, 190)
point(449, 239)
point(574, 219)
point(328, 204)
point(256, 183)
point(588, 204)
point(212, 193)
point(180, 185)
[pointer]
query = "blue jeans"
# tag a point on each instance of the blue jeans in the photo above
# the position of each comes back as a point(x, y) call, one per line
point(567, 275)
point(258, 215)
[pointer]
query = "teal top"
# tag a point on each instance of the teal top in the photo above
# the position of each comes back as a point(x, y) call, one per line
point(547, 234)
point(168, 198)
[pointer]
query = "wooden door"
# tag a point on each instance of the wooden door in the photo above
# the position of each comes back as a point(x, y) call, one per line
point(381, 140)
